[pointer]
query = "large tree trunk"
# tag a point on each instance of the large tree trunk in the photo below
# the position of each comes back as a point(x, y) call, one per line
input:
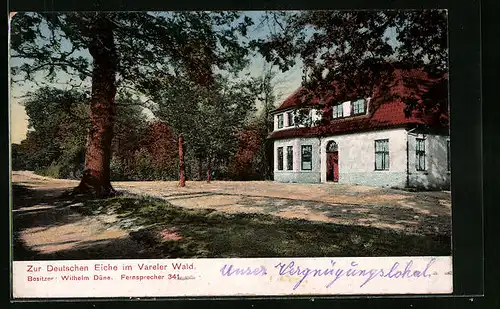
point(96, 176)
point(182, 172)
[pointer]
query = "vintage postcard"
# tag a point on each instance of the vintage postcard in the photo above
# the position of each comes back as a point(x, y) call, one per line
point(226, 153)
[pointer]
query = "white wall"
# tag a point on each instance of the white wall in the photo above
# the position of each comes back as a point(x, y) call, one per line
point(357, 158)
point(436, 174)
point(297, 174)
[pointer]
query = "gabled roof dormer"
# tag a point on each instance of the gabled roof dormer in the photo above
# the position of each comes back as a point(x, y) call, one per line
point(383, 109)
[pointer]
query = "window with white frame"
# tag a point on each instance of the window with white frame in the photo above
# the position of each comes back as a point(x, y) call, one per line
point(338, 111)
point(420, 154)
point(280, 158)
point(289, 158)
point(381, 154)
point(359, 107)
point(291, 120)
point(306, 158)
point(280, 121)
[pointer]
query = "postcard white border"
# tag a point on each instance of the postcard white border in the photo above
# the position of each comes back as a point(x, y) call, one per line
point(232, 277)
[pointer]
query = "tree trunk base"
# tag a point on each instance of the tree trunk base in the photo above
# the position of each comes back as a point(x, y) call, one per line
point(95, 187)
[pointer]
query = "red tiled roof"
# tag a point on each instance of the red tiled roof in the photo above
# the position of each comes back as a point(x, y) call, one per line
point(383, 112)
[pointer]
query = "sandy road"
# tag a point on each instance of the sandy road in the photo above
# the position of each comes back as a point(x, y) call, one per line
point(334, 203)
point(48, 228)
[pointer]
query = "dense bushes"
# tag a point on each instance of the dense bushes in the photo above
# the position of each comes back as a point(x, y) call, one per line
point(252, 158)
point(142, 148)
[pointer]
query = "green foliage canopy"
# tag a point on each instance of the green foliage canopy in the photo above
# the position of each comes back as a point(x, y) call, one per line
point(360, 50)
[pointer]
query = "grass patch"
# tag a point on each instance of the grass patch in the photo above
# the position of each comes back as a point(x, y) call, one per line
point(209, 234)
point(53, 171)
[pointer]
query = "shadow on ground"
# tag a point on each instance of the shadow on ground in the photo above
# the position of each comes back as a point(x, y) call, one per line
point(38, 210)
point(174, 232)
point(26, 197)
point(426, 216)
point(116, 248)
point(411, 220)
point(41, 207)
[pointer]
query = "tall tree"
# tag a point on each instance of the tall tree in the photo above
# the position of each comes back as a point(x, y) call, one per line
point(58, 127)
point(352, 53)
point(177, 105)
point(130, 127)
point(267, 96)
point(207, 118)
point(135, 49)
point(58, 124)
point(222, 116)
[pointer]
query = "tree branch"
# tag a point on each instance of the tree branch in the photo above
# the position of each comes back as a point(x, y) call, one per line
point(277, 21)
point(55, 62)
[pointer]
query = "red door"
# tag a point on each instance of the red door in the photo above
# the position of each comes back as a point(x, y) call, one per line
point(332, 173)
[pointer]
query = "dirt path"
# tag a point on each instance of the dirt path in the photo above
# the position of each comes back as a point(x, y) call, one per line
point(423, 212)
point(52, 227)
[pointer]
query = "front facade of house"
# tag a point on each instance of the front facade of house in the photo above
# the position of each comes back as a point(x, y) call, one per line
point(361, 146)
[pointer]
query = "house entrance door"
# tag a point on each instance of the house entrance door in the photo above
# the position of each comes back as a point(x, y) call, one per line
point(332, 165)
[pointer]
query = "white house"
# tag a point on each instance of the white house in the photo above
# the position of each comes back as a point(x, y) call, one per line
point(367, 141)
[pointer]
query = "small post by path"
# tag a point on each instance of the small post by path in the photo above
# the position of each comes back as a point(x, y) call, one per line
point(208, 170)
